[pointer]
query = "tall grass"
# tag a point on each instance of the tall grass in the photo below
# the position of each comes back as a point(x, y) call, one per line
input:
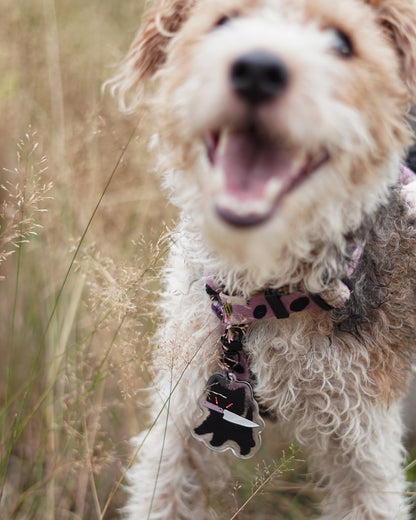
point(75, 310)
point(82, 239)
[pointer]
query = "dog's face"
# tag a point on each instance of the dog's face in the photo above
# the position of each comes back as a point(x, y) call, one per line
point(284, 116)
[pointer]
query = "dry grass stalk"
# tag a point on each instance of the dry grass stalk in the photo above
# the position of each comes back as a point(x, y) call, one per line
point(24, 193)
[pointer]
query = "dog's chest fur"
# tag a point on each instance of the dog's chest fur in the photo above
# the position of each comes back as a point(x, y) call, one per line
point(367, 345)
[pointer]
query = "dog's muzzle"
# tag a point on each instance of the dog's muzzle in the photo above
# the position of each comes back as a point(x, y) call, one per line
point(256, 165)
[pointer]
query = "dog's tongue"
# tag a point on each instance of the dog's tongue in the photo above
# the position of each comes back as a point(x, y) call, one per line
point(248, 163)
point(256, 174)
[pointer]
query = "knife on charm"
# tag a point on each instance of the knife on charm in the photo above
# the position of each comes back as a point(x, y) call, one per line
point(230, 416)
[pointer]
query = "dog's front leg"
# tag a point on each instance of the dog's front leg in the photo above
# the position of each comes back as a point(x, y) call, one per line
point(170, 478)
point(362, 466)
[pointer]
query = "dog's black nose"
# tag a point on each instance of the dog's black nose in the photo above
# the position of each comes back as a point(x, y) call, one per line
point(259, 76)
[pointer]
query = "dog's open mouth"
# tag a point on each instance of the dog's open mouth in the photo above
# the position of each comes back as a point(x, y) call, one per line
point(256, 172)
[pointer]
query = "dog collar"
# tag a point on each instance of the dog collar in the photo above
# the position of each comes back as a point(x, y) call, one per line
point(237, 310)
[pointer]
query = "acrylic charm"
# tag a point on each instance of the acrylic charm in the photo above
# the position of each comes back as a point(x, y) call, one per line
point(231, 418)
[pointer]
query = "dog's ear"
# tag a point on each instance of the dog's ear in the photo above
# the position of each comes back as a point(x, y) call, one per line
point(398, 19)
point(148, 50)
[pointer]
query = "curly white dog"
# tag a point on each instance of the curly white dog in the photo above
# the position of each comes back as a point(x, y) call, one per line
point(290, 288)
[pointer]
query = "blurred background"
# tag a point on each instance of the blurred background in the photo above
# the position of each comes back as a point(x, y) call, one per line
point(83, 235)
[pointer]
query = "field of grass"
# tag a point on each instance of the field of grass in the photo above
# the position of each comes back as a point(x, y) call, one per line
point(82, 238)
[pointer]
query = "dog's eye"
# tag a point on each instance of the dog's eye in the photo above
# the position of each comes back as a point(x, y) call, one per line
point(224, 19)
point(341, 44)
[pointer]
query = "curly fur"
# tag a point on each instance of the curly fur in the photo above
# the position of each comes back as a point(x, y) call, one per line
point(335, 379)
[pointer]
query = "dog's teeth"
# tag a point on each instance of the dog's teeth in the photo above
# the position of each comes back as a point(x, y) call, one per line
point(223, 140)
point(272, 189)
point(248, 207)
point(218, 181)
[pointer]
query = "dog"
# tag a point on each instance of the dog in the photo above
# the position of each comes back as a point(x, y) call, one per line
point(282, 126)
